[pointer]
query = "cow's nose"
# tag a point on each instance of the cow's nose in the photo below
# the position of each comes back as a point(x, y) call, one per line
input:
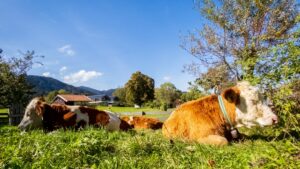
point(275, 120)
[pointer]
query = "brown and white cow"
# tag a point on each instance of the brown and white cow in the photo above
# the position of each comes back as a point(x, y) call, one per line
point(39, 114)
point(203, 121)
point(140, 122)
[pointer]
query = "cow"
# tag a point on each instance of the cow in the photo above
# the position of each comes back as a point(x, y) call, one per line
point(203, 120)
point(141, 122)
point(39, 114)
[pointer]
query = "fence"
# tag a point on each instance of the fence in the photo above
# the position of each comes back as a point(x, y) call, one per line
point(16, 113)
point(13, 116)
point(4, 118)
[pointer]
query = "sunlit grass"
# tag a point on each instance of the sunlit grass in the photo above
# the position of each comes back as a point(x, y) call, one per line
point(3, 110)
point(97, 148)
point(131, 111)
point(127, 109)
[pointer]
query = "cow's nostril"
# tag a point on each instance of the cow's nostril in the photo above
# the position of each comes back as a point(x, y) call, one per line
point(275, 120)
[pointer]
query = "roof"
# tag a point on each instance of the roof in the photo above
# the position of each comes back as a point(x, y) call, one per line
point(74, 98)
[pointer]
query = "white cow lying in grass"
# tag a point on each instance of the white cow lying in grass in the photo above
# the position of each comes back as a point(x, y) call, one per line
point(39, 114)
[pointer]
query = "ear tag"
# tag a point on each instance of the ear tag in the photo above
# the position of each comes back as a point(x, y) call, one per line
point(234, 133)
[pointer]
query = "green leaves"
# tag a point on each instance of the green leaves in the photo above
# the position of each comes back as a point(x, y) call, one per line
point(166, 95)
point(256, 40)
point(239, 35)
point(192, 94)
point(120, 94)
point(139, 89)
point(14, 88)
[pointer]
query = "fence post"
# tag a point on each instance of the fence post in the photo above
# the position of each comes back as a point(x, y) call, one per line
point(16, 112)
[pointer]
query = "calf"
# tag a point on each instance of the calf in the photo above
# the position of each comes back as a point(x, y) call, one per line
point(139, 122)
point(39, 114)
point(203, 121)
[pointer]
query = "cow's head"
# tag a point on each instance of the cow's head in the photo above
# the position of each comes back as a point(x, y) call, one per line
point(33, 115)
point(251, 110)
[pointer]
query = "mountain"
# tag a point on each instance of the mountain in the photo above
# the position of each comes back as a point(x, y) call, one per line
point(91, 90)
point(97, 92)
point(43, 85)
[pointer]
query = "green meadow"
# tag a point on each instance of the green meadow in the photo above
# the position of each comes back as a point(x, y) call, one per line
point(98, 148)
point(3, 110)
point(127, 109)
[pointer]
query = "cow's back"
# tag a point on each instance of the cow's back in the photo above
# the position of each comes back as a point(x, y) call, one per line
point(56, 116)
point(194, 119)
point(140, 122)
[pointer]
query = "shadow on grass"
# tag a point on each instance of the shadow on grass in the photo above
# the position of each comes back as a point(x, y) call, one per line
point(282, 136)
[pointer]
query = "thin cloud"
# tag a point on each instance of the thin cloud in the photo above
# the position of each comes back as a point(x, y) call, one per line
point(167, 78)
point(67, 50)
point(62, 69)
point(46, 74)
point(37, 65)
point(82, 76)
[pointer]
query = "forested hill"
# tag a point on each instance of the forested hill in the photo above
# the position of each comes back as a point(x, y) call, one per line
point(43, 85)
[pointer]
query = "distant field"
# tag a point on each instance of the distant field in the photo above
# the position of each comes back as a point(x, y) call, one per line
point(3, 110)
point(131, 111)
point(127, 109)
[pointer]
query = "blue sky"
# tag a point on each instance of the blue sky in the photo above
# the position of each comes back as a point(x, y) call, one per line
point(100, 43)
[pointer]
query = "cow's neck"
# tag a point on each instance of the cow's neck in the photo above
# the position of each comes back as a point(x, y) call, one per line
point(230, 111)
point(229, 116)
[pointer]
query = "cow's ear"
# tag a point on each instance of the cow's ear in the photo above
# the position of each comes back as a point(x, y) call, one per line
point(232, 95)
point(39, 108)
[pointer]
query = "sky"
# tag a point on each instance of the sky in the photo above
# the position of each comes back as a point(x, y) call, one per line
point(100, 43)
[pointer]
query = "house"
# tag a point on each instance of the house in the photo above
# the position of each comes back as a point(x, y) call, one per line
point(71, 99)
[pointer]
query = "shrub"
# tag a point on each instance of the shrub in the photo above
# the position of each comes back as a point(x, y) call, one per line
point(152, 104)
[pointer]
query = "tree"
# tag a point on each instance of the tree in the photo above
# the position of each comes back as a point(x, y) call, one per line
point(139, 89)
point(14, 89)
point(218, 75)
point(105, 98)
point(281, 80)
point(256, 41)
point(192, 94)
point(51, 95)
point(238, 34)
point(167, 94)
point(120, 95)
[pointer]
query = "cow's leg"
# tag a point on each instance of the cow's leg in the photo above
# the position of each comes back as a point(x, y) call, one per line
point(213, 140)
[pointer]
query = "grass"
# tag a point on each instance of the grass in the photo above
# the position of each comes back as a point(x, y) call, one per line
point(97, 148)
point(128, 111)
point(3, 110)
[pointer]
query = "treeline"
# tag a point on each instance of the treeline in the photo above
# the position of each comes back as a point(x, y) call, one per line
point(140, 90)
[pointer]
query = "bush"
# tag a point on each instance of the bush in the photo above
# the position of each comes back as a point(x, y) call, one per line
point(164, 107)
point(152, 104)
point(286, 102)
